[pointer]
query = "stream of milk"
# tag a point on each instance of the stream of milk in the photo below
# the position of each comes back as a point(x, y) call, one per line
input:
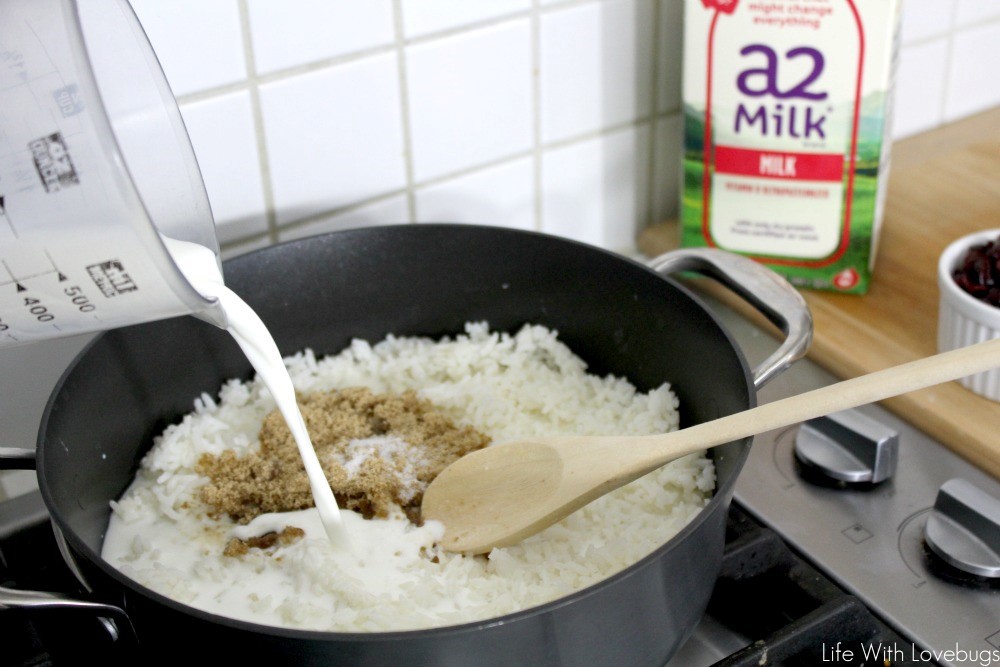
point(199, 266)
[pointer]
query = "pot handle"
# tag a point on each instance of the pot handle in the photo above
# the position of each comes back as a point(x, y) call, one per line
point(109, 615)
point(14, 458)
point(114, 620)
point(765, 290)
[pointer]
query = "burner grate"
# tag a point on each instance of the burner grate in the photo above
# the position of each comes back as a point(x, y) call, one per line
point(766, 590)
point(30, 560)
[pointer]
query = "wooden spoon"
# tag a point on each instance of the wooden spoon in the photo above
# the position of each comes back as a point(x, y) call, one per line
point(500, 495)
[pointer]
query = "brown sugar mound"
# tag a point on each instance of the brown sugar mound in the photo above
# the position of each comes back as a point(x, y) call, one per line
point(377, 451)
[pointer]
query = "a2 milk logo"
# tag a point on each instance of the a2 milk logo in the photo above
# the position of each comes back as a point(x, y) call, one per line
point(52, 162)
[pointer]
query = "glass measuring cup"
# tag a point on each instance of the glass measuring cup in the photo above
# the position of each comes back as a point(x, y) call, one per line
point(95, 169)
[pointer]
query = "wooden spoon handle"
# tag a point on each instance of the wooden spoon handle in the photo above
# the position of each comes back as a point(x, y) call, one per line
point(844, 395)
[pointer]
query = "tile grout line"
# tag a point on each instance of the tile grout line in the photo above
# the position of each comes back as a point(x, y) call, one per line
point(450, 176)
point(654, 76)
point(213, 93)
point(341, 210)
point(536, 110)
point(953, 28)
point(466, 171)
point(535, 13)
point(949, 48)
point(404, 109)
point(254, 80)
point(246, 240)
point(270, 212)
point(345, 58)
point(611, 129)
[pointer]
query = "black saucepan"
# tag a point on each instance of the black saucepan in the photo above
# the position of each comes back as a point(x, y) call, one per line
point(620, 316)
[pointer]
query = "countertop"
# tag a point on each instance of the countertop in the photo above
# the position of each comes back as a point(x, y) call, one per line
point(943, 184)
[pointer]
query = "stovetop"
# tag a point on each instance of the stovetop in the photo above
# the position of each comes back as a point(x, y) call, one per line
point(869, 538)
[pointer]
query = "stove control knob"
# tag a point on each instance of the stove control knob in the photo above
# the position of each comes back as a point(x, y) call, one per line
point(964, 528)
point(848, 447)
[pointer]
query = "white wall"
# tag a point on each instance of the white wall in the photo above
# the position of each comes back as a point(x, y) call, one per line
point(561, 116)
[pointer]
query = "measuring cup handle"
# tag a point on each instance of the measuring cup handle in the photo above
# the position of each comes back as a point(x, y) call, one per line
point(765, 290)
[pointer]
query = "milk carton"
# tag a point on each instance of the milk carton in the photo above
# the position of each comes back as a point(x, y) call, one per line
point(786, 145)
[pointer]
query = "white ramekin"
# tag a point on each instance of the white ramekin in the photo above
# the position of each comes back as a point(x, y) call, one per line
point(963, 319)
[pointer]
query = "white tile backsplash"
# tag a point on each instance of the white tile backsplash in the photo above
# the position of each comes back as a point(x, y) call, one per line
point(199, 44)
point(926, 18)
point(595, 191)
point(595, 67)
point(470, 98)
point(920, 81)
point(556, 115)
point(971, 12)
point(225, 143)
point(573, 191)
point(503, 196)
point(422, 17)
point(669, 49)
point(973, 79)
point(297, 32)
point(383, 212)
point(334, 136)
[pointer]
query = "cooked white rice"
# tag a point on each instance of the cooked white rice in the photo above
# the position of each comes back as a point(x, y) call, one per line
point(507, 387)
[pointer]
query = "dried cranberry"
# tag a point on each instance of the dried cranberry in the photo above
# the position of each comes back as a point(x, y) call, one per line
point(979, 272)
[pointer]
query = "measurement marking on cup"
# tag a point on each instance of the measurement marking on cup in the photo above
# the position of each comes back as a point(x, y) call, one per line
point(38, 310)
point(68, 100)
point(6, 217)
point(14, 60)
point(59, 274)
point(18, 280)
point(111, 278)
point(53, 163)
